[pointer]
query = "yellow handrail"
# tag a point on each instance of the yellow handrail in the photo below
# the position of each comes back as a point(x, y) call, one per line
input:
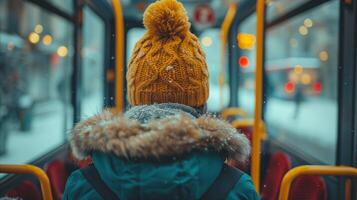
point(241, 123)
point(227, 22)
point(119, 56)
point(30, 169)
point(312, 170)
point(256, 138)
point(226, 113)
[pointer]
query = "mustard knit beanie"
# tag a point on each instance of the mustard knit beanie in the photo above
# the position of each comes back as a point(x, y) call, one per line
point(168, 63)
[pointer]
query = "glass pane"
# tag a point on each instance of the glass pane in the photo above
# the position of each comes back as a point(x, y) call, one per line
point(211, 45)
point(133, 36)
point(35, 72)
point(302, 57)
point(92, 64)
point(276, 8)
point(65, 5)
point(246, 63)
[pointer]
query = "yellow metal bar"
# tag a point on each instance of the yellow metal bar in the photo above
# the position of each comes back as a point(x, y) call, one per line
point(312, 170)
point(119, 56)
point(226, 113)
point(227, 22)
point(239, 123)
point(255, 167)
point(30, 169)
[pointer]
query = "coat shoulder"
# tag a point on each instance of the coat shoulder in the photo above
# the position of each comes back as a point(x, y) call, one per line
point(244, 190)
point(77, 187)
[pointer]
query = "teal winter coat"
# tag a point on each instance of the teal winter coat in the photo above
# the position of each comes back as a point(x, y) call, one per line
point(160, 151)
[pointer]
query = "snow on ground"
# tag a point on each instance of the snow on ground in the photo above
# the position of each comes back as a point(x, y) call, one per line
point(49, 129)
point(47, 132)
point(313, 131)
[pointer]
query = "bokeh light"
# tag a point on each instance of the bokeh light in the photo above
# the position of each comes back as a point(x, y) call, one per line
point(62, 51)
point(207, 41)
point(34, 37)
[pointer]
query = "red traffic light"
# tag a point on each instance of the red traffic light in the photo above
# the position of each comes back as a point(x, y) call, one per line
point(243, 61)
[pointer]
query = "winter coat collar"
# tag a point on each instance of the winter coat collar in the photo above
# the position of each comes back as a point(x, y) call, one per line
point(156, 131)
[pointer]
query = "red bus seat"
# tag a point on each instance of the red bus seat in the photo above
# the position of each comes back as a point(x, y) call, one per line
point(58, 175)
point(26, 190)
point(308, 188)
point(278, 166)
point(247, 131)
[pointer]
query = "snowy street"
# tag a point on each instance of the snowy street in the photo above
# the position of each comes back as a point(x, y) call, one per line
point(313, 131)
point(49, 129)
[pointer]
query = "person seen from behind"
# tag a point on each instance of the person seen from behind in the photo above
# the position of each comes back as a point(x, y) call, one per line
point(165, 146)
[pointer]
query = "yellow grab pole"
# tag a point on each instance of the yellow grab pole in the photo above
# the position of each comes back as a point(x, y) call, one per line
point(255, 168)
point(312, 170)
point(226, 113)
point(30, 169)
point(119, 56)
point(227, 22)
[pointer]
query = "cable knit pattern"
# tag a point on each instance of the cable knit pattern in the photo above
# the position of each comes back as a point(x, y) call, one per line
point(167, 63)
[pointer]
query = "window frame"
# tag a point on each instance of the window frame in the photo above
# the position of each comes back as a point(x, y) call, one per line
point(247, 9)
point(249, 5)
point(347, 108)
point(347, 143)
point(53, 10)
point(104, 10)
point(347, 95)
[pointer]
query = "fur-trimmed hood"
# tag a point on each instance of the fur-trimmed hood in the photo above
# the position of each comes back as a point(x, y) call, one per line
point(156, 131)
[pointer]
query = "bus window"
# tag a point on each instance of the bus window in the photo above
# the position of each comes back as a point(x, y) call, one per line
point(35, 75)
point(301, 67)
point(133, 35)
point(277, 8)
point(246, 64)
point(92, 64)
point(211, 43)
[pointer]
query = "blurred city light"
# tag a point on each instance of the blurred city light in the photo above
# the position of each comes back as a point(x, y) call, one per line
point(289, 87)
point(306, 79)
point(38, 28)
point(47, 40)
point(243, 62)
point(323, 55)
point(317, 87)
point(298, 69)
point(294, 77)
point(303, 30)
point(62, 51)
point(308, 23)
point(246, 41)
point(207, 41)
point(34, 37)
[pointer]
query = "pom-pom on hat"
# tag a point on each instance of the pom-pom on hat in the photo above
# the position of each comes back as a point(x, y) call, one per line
point(168, 63)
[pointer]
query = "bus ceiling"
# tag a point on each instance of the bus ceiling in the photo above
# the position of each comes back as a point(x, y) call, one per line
point(134, 9)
